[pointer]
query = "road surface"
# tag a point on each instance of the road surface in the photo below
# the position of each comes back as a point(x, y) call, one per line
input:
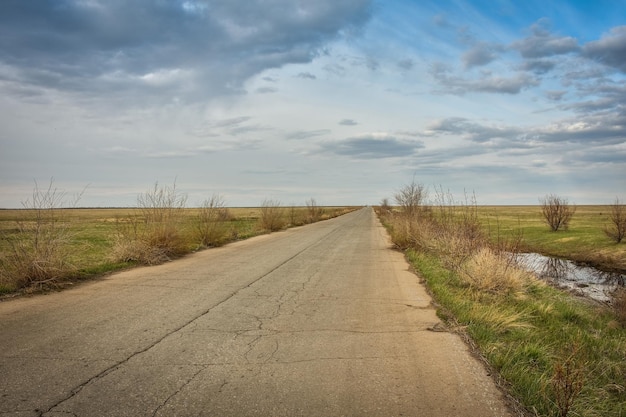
point(322, 320)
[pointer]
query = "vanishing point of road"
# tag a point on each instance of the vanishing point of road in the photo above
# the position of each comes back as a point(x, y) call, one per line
point(321, 320)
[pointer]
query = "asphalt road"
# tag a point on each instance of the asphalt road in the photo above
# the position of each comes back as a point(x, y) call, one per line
point(322, 320)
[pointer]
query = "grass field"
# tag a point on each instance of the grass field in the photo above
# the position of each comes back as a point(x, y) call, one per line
point(91, 234)
point(584, 241)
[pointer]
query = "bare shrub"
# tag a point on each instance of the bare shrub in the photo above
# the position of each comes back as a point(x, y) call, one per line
point(155, 236)
point(617, 217)
point(567, 380)
point(384, 207)
point(314, 212)
point(271, 218)
point(557, 212)
point(296, 216)
point(212, 221)
point(456, 228)
point(411, 198)
point(39, 250)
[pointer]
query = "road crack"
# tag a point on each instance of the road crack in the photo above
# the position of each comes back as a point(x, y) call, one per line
point(175, 393)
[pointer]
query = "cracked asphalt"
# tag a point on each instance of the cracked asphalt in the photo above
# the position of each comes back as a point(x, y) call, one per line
point(322, 320)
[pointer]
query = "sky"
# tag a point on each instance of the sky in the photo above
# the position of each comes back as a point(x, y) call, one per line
point(343, 101)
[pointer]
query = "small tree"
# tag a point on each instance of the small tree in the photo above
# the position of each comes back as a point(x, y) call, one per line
point(411, 197)
point(557, 212)
point(616, 230)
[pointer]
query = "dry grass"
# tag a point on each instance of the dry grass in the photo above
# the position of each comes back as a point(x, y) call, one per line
point(488, 270)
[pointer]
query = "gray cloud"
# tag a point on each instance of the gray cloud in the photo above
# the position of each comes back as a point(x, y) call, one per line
point(606, 128)
point(467, 129)
point(189, 48)
point(480, 54)
point(300, 135)
point(542, 43)
point(406, 64)
point(266, 90)
point(555, 95)
point(487, 83)
point(599, 128)
point(538, 66)
point(610, 50)
point(307, 75)
point(348, 122)
point(233, 122)
point(372, 146)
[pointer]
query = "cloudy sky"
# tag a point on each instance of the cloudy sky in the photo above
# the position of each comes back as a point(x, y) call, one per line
point(340, 100)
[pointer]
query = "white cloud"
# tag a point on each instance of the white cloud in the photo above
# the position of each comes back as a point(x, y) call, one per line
point(372, 146)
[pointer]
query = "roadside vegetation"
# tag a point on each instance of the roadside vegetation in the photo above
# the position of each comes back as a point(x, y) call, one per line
point(51, 244)
point(556, 354)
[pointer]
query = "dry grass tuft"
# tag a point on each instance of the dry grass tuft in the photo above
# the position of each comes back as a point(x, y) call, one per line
point(500, 320)
point(487, 270)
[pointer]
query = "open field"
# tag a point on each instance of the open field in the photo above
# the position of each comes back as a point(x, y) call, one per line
point(92, 232)
point(584, 241)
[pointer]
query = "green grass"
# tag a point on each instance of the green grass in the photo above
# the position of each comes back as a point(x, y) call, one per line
point(584, 241)
point(527, 336)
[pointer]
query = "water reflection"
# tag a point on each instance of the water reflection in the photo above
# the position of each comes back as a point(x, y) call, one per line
point(567, 274)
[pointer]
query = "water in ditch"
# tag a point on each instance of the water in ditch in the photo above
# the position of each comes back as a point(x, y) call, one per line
point(581, 279)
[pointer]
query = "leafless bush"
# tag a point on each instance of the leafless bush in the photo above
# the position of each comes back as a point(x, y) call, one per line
point(314, 212)
point(272, 218)
point(456, 229)
point(212, 226)
point(617, 228)
point(567, 381)
point(39, 250)
point(384, 207)
point(411, 198)
point(155, 236)
point(557, 212)
point(296, 216)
